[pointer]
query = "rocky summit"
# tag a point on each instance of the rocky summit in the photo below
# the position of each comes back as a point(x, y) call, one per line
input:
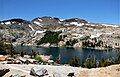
point(52, 31)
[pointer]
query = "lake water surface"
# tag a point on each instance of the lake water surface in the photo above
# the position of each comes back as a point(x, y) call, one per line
point(65, 54)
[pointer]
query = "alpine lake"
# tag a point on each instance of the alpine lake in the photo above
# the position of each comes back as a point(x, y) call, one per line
point(67, 53)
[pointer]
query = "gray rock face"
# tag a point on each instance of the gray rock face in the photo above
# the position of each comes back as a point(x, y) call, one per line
point(3, 72)
point(38, 72)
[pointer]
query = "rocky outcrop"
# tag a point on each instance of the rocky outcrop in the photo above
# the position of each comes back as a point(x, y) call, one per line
point(3, 72)
point(45, 45)
point(2, 58)
point(79, 44)
point(38, 72)
point(61, 43)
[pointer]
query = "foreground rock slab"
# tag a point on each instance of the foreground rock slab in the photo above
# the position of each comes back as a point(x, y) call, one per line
point(38, 72)
point(110, 71)
point(62, 71)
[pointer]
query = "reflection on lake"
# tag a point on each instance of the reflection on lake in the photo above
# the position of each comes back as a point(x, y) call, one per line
point(65, 54)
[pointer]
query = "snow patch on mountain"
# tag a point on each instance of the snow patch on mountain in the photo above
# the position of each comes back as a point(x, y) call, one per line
point(76, 23)
point(40, 20)
point(2, 23)
point(110, 25)
point(31, 27)
point(96, 35)
point(39, 32)
point(38, 23)
point(59, 22)
point(8, 23)
point(61, 19)
point(66, 24)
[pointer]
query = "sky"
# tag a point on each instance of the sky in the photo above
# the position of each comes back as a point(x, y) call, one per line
point(99, 11)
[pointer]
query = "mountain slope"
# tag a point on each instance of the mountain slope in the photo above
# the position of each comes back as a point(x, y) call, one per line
point(72, 30)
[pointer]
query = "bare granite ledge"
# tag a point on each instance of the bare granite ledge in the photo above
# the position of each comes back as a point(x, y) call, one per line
point(63, 71)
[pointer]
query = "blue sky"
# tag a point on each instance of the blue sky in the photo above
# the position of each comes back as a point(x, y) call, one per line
point(101, 11)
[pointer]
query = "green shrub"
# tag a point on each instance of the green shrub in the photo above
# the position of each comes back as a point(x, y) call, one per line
point(38, 58)
point(75, 62)
point(6, 48)
point(117, 61)
point(106, 62)
point(90, 63)
point(22, 54)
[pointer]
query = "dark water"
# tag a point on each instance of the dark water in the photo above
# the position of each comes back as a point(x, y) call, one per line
point(65, 54)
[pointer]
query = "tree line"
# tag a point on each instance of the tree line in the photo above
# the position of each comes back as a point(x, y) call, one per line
point(92, 62)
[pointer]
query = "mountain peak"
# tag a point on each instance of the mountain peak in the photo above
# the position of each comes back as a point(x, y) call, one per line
point(76, 20)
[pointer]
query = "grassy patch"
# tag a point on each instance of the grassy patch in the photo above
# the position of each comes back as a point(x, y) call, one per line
point(38, 58)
